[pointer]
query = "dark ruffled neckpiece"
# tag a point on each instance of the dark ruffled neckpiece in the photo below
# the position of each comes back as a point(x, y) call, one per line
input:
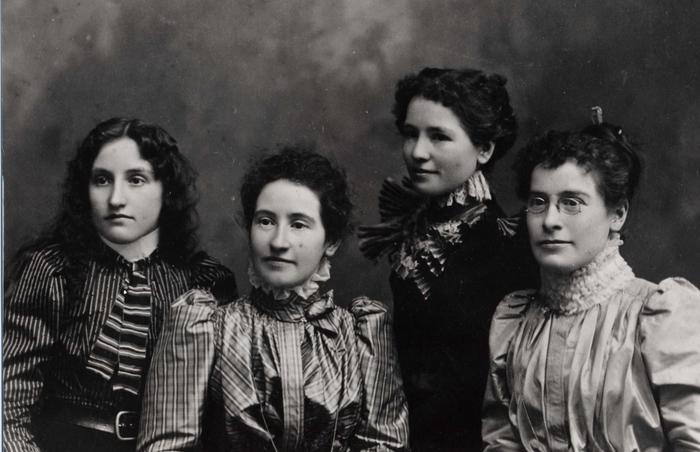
point(417, 233)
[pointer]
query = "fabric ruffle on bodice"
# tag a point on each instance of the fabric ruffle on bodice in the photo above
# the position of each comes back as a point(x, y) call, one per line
point(417, 233)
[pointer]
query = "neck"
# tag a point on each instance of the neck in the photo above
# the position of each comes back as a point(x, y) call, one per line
point(138, 249)
point(587, 286)
point(303, 290)
point(476, 188)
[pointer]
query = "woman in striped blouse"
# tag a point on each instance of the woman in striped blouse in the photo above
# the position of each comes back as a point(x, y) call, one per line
point(283, 368)
point(85, 302)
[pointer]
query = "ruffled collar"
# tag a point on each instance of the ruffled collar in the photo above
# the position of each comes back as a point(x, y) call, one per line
point(476, 188)
point(303, 291)
point(587, 286)
point(417, 232)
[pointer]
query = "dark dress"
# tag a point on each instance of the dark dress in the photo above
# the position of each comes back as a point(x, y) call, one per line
point(452, 264)
point(52, 321)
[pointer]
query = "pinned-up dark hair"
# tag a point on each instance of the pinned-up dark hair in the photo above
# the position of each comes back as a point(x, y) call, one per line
point(300, 164)
point(480, 102)
point(602, 148)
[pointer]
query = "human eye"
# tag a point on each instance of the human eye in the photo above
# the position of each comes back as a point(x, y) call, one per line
point(571, 205)
point(100, 180)
point(298, 224)
point(536, 204)
point(137, 180)
point(439, 136)
point(264, 222)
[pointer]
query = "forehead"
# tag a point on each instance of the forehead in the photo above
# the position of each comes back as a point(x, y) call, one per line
point(424, 112)
point(568, 177)
point(284, 197)
point(122, 154)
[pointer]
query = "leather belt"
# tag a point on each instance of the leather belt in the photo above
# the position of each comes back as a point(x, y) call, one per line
point(124, 424)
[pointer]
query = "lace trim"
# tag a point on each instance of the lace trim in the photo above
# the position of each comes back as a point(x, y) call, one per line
point(476, 188)
point(304, 290)
point(588, 286)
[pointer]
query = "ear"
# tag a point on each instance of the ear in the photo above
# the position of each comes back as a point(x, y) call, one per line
point(618, 216)
point(331, 249)
point(485, 153)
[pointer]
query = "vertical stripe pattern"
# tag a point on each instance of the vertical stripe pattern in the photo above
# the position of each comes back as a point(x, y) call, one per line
point(269, 375)
point(48, 336)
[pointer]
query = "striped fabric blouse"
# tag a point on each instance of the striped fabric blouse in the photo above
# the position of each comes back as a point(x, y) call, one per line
point(48, 336)
point(270, 375)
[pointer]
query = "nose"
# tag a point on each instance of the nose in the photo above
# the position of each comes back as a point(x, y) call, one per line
point(552, 217)
point(117, 196)
point(419, 148)
point(280, 238)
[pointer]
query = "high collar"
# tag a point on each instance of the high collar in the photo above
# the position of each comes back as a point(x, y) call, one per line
point(294, 309)
point(474, 189)
point(587, 286)
point(108, 256)
point(303, 291)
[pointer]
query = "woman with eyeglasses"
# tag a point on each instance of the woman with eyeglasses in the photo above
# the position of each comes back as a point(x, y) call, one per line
point(596, 359)
point(453, 252)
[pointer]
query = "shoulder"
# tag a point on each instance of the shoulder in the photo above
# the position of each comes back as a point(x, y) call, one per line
point(40, 264)
point(49, 259)
point(209, 274)
point(369, 316)
point(668, 334)
point(364, 306)
point(673, 300)
point(509, 314)
point(513, 306)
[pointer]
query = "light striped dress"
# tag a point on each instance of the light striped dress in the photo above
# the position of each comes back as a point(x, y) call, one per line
point(271, 375)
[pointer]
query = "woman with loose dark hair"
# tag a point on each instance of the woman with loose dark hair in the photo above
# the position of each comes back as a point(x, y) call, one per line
point(283, 368)
point(595, 358)
point(453, 252)
point(85, 301)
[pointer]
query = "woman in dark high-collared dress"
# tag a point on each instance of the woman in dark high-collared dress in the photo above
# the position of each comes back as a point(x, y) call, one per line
point(453, 252)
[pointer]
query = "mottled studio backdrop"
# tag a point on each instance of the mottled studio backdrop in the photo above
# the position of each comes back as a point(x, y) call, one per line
point(228, 78)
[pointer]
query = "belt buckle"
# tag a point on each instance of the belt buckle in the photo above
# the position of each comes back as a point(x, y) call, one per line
point(126, 425)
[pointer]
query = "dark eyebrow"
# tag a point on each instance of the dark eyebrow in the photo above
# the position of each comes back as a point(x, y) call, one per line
point(435, 129)
point(301, 216)
point(563, 194)
point(570, 193)
point(137, 170)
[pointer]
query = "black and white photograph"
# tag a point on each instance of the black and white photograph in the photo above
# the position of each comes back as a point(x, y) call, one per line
point(350, 225)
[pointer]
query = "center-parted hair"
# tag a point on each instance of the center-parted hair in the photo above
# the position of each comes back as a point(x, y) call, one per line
point(302, 165)
point(480, 102)
point(603, 149)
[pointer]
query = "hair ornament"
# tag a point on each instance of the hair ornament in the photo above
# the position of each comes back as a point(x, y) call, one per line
point(597, 115)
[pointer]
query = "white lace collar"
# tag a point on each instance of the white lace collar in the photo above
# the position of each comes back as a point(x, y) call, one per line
point(589, 285)
point(476, 188)
point(304, 290)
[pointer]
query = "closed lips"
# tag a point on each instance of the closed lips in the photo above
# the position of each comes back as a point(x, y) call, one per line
point(423, 171)
point(116, 216)
point(278, 259)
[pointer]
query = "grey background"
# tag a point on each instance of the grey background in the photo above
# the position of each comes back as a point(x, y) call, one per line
point(227, 78)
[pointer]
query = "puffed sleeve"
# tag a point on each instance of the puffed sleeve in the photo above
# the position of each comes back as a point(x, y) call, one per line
point(669, 338)
point(176, 386)
point(384, 419)
point(33, 303)
point(211, 276)
point(498, 431)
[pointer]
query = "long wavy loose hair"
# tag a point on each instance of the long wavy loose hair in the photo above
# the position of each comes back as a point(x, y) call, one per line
point(73, 229)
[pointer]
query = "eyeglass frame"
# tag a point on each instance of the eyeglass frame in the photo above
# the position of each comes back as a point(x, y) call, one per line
point(565, 210)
